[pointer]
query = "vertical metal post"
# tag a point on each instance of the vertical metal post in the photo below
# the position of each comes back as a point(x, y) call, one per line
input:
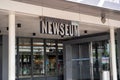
point(17, 60)
point(113, 54)
point(57, 55)
point(45, 57)
point(91, 61)
point(68, 62)
point(32, 65)
point(11, 75)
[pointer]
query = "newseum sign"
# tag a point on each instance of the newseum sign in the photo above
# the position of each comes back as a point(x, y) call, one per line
point(58, 28)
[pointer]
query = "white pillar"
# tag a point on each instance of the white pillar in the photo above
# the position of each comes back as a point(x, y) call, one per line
point(11, 75)
point(113, 54)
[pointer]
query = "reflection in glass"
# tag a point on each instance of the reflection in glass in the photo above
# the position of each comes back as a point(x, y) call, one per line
point(101, 60)
point(51, 63)
point(24, 57)
point(38, 57)
point(60, 65)
point(60, 59)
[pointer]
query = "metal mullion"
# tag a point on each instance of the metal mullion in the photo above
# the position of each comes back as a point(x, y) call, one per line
point(45, 59)
point(17, 60)
point(31, 57)
point(56, 45)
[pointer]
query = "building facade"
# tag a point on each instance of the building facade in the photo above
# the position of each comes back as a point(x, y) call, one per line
point(59, 40)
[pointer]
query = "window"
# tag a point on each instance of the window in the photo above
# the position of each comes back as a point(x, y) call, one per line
point(38, 57)
point(24, 57)
point(51, 64)
point(60, 59)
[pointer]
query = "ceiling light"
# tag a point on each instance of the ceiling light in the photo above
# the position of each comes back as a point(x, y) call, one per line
point(34, 34)
point(103, 18)
point(85, 31)
point(50, 50)
point(7, 28)
point(62, 36)
point(18, 25)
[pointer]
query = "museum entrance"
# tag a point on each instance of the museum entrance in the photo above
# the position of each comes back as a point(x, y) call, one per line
point(88, 59)
point(81, 63)
point(91, 62)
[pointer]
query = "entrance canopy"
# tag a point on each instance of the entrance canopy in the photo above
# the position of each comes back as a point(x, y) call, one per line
point(28, 14)
point(27, 25)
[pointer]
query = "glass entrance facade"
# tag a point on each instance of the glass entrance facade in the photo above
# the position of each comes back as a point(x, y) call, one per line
point(92, 60)
point(42, 59)
point(38, 59)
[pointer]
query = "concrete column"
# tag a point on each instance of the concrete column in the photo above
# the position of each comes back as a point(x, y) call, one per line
point(68, 62)
point(91, 60)
point(11, 75)
point(113, 54)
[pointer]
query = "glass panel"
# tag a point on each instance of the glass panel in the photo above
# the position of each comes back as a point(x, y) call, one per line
point(81, 62)
point(51, 63)
point(60, 61)
point(60, 64)
point(60, 49)
point(38, 57)
point(24, 57)
point(97, 51)
point(60, 58)
point(100, 59)
point(84, 62)
point(105, 57)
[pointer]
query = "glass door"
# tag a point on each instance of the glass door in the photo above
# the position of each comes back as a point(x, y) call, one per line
point(84, 54)
point(81, 69)
point(91, 61)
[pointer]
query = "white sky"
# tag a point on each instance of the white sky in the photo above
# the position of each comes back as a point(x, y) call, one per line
point(110, 4)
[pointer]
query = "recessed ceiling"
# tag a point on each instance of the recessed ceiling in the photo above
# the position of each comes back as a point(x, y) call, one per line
point(30, 25)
